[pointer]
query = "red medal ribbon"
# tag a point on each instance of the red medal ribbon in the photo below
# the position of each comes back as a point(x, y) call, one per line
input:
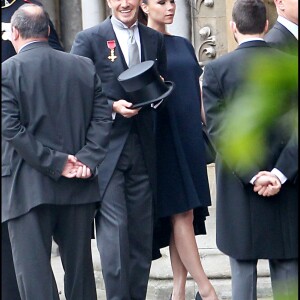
point(111, 44)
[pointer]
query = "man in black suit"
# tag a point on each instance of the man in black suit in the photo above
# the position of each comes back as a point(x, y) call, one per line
point(249, 225)
point(127, 176)
point(9, 289)
point(56, 123)
point(284, 34)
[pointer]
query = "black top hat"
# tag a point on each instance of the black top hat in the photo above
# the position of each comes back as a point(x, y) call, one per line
point(144, 85)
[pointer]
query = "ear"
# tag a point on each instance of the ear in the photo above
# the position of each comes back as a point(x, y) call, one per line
point(232, 26)
point(108, 3)
point(145, 8)
point(14, 33)
point(279, 4)
point(266, 26)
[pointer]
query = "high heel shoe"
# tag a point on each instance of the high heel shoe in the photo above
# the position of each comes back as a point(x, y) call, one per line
point(198, 297)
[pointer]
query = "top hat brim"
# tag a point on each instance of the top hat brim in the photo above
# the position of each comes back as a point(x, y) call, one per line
point(169, 84)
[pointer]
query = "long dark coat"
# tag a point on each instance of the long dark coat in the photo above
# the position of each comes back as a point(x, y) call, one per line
point(249, 226)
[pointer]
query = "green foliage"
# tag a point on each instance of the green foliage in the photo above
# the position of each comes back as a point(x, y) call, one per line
point(270, 94)
point(293, 291)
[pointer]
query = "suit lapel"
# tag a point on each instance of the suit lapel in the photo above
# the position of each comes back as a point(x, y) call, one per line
point(119, 65)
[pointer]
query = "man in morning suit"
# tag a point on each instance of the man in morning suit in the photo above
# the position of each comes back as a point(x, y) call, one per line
point(284, 34)
point(249, 225)
point(9, 288)
point(56, 124)
point(127, 176)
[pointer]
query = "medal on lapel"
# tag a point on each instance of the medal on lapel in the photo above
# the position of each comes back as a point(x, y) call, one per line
point(111, 45)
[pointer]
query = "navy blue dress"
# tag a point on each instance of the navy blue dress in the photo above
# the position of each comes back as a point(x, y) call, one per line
point(182, 174)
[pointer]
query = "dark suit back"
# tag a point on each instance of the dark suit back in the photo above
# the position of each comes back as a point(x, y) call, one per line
point(49, 100)
point(94, 40)
point(249, 226)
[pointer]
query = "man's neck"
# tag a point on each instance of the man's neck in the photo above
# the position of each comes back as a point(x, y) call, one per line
point(242, 38)
point(23, 43)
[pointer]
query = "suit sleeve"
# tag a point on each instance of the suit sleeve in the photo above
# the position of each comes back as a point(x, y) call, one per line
point(40, 157)
point(97, 139)
point(287, 162)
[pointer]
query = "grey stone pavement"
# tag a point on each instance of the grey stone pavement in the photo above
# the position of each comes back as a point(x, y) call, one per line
point(215, 264)
point(160, 284)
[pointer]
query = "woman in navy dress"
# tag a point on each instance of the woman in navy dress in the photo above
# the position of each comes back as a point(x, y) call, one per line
point(183, 189)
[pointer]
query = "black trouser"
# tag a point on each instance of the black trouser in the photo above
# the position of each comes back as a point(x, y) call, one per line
point(31, 240)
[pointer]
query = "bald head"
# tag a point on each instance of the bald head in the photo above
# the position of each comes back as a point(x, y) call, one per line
point(287, 9)
point(31, 21)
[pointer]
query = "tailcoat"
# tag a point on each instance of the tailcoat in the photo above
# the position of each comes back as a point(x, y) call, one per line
point(92, 43)
point(127, 176)
point(249, 226)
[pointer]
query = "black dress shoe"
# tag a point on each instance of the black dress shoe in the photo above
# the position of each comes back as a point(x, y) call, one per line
point(198, 297)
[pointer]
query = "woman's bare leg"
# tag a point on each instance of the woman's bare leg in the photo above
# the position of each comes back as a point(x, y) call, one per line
point(179, 272)
point(185, 243)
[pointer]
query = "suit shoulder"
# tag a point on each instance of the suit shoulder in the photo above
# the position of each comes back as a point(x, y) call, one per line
point(222, 59)
point(89, 31)
point(80, 58)
point(274, 36)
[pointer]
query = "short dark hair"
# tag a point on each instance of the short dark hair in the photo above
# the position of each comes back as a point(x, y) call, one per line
point(31, 24)
point(250, 16)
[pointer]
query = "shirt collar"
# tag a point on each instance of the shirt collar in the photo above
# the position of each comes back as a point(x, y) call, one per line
point(250, 40)
point(290, 26)
point(117, 23)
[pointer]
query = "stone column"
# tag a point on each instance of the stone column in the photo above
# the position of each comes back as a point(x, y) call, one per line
point(71, 21)
point(181, 25)
point(51, 6)
point(231, 43)
point(93, 12)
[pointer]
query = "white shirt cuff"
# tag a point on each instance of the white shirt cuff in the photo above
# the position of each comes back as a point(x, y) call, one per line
point(253, 179)
point(280, 176)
